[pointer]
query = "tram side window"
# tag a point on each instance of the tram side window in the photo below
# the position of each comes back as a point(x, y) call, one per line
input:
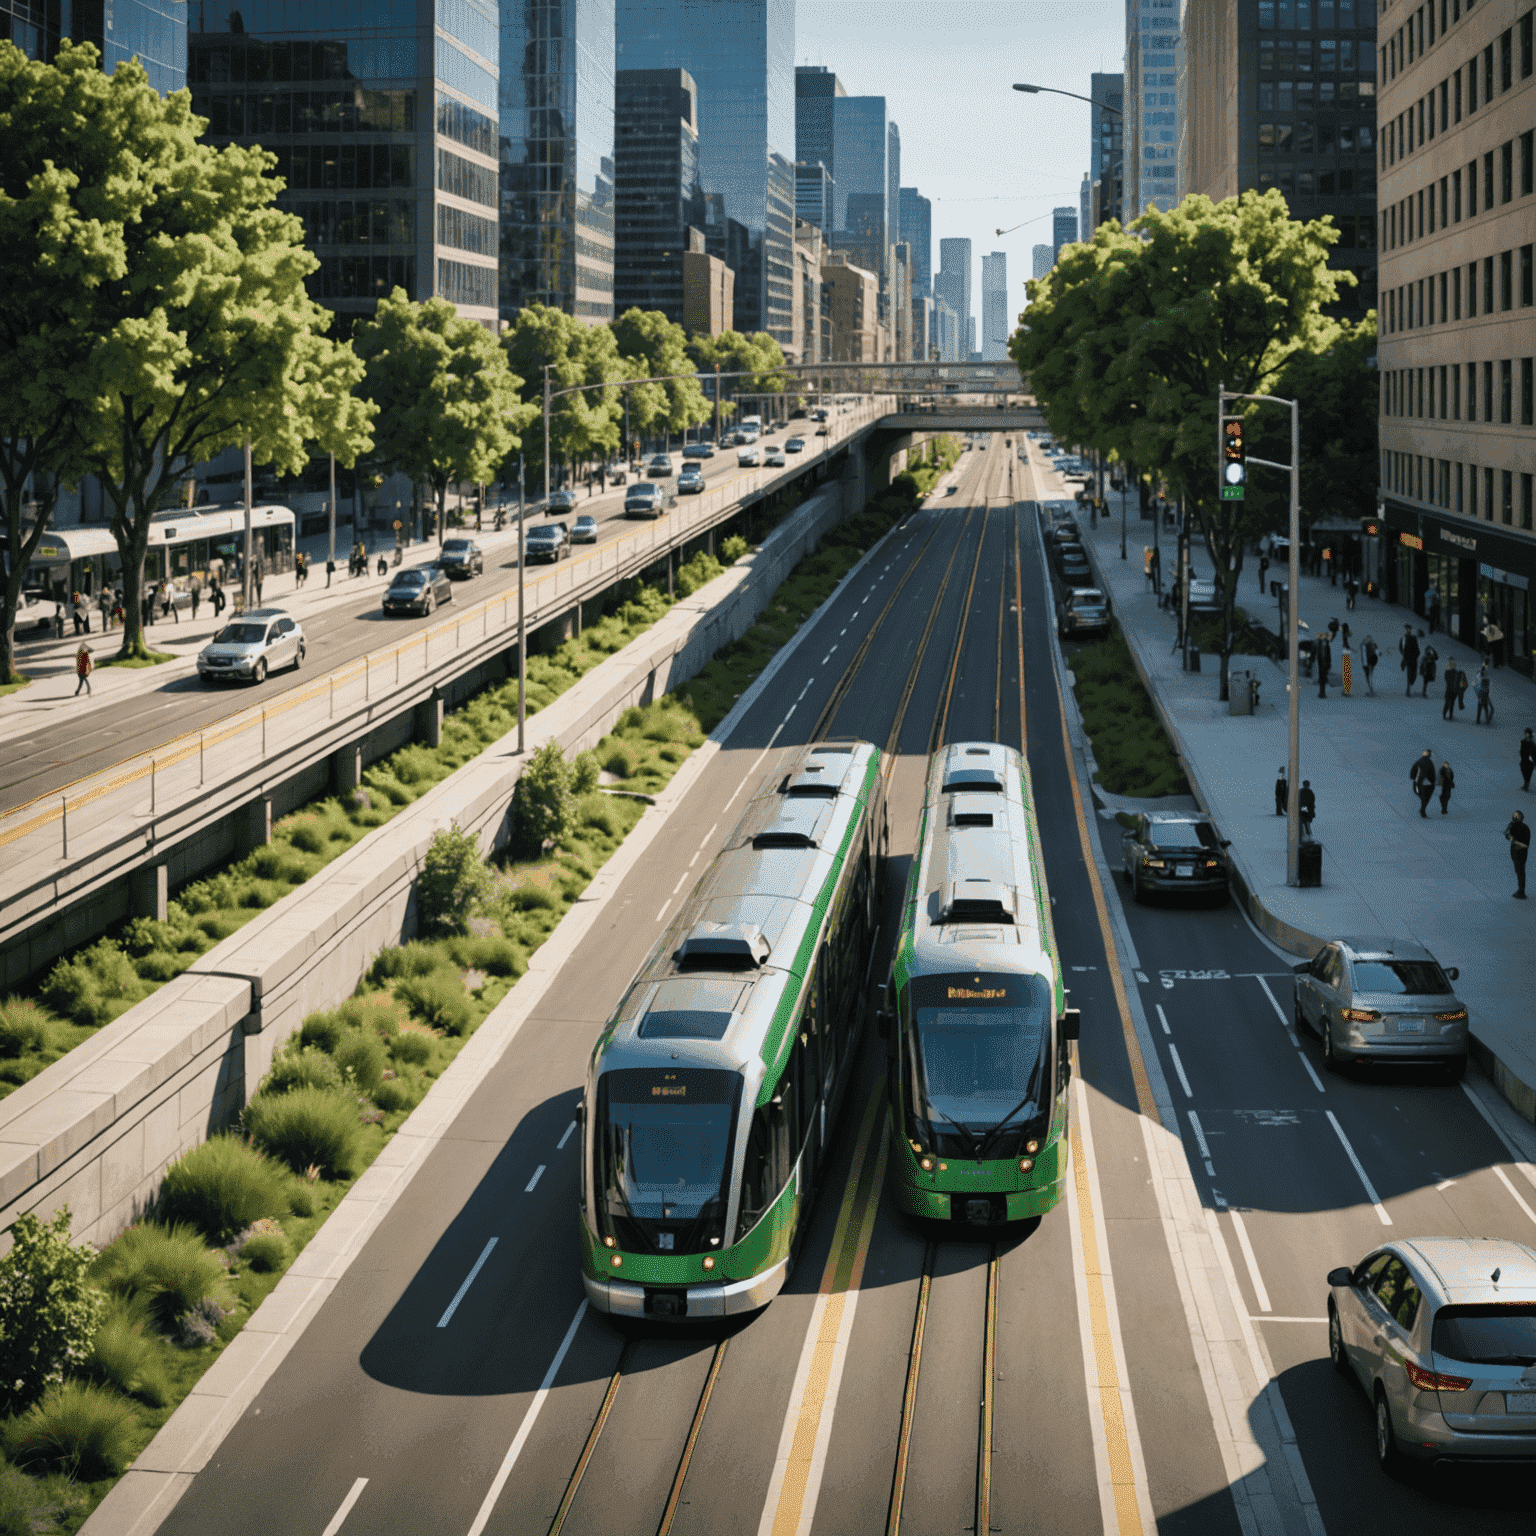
point(768, 1161)
point(799, 1087)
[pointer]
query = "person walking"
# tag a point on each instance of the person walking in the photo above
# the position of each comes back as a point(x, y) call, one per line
point(256, 580)
point(1493, 639)
point(1306, 807)
point(1324, 654)
point(84, 666)
point(168, 602)
point(1370, 655)
point(218, 599)
point(1447, 782)
point(197, 597)
point(1157, 572)
point(1351, 592)
point(1527, 759)
point(1427, 668)
point(1408, 649)
point(1333, 630)
point(1283, 792)
point(1422, 777)
point(1518, 835)
point(1483, 689)
point(1263, 574)
point(330, 571)
point(1452, 676)
point(1432, 608)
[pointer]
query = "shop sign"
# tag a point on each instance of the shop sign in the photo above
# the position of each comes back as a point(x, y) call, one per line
point(1460, 540)
point(1412, 540)
point(1508, 578)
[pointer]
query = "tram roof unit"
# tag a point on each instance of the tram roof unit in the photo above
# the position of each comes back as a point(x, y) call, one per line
point(979, 900)
point(718, 990)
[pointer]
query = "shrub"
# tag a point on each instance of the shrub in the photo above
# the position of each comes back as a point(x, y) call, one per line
point(733, 548)
point(267, 1251)
point(413, 959)
point(601, 817)
point(392, 1096)
point(301, 1200)
point(307, 839)
point(169, 1269)
point(296, 1071)
point(48, 1310)
point(491, 953)
point(378, 1012)
point(584, 773)
point(274, 862)
point(453, 881)
point(86, 988)
point(216, 926)
point(361, 1053)
point(411, 1047)
point(437, 1000)
point(24, 1026)
point(414, 765)
point(542, 800)
point(620, 762)
point(309, 1127)
point(321, 1030)
point(124, 1356)
point(157, 966)
point(16, 1502)
point(83, 1431)
point(531, 898)
point(199, 1325)
point(222, 1187)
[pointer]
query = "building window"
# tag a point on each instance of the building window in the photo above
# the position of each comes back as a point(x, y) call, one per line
point(1471, 87)
point(1455, 392)
point(1506, 392)
point(1488, 285)
point(1444, 413)
point(1506, 59)
point(1525, 59)
point(1460, 500)
point(1525, 162)
point(1456, 294)
point(1471, 490)
point(1509, 498)
point(1471, 391)
point(1488, 495)
point(1488, 391)
point(1488, 73)
point(1525, 277)
point(1525, 480)
point(1456, 95)
point(1527, 404)
point(1507, 171)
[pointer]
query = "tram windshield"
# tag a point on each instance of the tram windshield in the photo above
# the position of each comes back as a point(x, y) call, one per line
point(664, 1156)
point(978, 1063)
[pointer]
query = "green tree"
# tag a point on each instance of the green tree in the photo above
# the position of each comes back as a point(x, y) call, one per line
point(453, 881)
point(542, 800)
point(206, 338)
point(49, 1312)
point(1128, 339)
point(660, 347)
point(757, 357)
point(448, 405)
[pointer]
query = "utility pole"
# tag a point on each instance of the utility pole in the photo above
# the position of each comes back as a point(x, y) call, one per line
point(245, 574)
point(547, 367)
point(331, 558)
point(717, 403)
point(522, 638)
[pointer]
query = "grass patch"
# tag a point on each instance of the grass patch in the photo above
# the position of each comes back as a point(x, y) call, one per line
point(1130, 745)
point(154, 659)
point(5, 689)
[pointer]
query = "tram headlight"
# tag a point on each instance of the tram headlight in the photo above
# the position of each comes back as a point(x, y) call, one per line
point(617, 1261)
point(709, 1262)
point(608, 1242)
point(1025, 1164)
point(1031, 1147)
point(926, 1164)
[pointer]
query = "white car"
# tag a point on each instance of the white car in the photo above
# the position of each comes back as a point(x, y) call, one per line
point(250, 646)
point(749, 458)
point(774, 458)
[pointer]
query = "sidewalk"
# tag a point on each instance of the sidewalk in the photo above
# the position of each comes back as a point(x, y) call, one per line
point(1445, 882)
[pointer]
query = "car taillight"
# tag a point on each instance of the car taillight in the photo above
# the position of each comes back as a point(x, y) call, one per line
point(1359, 1015)
point(1453, 1016)
point(1434, 1381)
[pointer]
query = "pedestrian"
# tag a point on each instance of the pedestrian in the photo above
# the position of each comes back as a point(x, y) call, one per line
point(1333, 630)
point(1483, 689)
point(1351, 592)
point(1157, 572)
point(1422, 777)
point(1427, 668)
point(1263, 574)
point(1452, 675)
point(218, 599)
point(1432, 607)
point(1518, 835)
point(330, 571)
point(58, 621)
point(1408, 649)
point(256, 578)
point(1324, 654)
point(383, 565)
point(1371, 656)
point(168, 601)
point(1493, 640)
point(1527, 759)
point(1306, 807)
point(1282, 792)
point(1447, 782)
point(197, 597)
point(84, 666)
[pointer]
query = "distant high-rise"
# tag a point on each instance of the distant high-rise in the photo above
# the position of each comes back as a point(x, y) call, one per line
point(893, 184)
point(1106, 148)
point(1063, 229)
point(153, 31)
point(656, 187)
point(944, 337)
point(741, 56)
point(995, 320)
point(1152, 97)
point(1044, 260)
point(972, 351)
point(861, 171)
point(916, 220)
point(816, 87)
point(1085, 207)
point(814, 189)
point(556, 145)
point(955, 275)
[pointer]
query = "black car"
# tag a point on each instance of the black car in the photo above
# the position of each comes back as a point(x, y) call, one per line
point(562, 501)
point(1074, 568)
point(418, 590)
point(699, 451)
point(1063, 549)
point(1082, 611)
point(549, 541)
point(462, 558)
point(1174, 851)
point(691, 481)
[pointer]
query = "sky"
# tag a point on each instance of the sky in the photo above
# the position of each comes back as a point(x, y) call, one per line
point(988, 156)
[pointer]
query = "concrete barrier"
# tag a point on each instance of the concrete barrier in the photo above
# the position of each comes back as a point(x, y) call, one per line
point(97, 1129)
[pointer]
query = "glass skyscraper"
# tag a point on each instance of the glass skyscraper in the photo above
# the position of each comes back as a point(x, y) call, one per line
point(816, 87)
point(742, 57)
point(153, 31)
point(382, 119)
point(1152, 49)
point(916, 214)
point(557, 104)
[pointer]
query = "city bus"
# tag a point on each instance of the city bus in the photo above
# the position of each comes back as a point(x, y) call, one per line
point(976, 1022)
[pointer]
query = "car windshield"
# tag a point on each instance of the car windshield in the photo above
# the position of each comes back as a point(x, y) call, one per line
point(241, 634)
point(663, 1155)
point(1487, 1333)
point(978, 1062)
point(1181, 834)
point(409, 579)
point(456, 547)
point(541, 534)
point(1403, 978)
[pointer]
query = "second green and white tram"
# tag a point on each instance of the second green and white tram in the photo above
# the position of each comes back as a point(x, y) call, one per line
point(978, 1025)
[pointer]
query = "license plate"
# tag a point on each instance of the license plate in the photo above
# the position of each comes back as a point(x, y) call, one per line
point(1184, 871)
point(1520, 1402)
point(1410, 1026)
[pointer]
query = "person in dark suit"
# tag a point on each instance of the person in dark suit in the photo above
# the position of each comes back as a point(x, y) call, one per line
point(1518, 835)
point(1408, 649)
point(1422, 776)
point(1452, 675)
point(1324, 654)
point(1306, 806)
point(1527, 759)
point(1447, 782)
point(1283, 791)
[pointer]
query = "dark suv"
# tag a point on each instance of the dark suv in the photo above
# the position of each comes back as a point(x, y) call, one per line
point(549, 541)
point(461, 558)
point(1166, 851)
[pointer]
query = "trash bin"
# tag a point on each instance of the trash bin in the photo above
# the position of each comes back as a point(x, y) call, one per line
point(1194, 658)
point(1239, 693)
point(1309, 863)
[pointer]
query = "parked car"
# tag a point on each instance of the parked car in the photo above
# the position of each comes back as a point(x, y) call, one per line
point(35, 612)
point(690, 480)
point(795, 445)
point(699, 451)
point(749, 458)
point(1203, 596)
point(1072, 565)
point(462, 558)
point(774, 458)
point(1441, 1334)
point(659, 467)
point(1384, 1000)
point(616, 473)
point(584, 529)
point(644, 499)
point(1082, 611)
point(418, 589)
point(249, 647)
point(561, 501)
point(1174, 851)
point(548, 542)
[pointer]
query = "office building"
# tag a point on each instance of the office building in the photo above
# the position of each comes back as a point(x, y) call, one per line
point(384, 134)
point(901, 302)
point(972, 351)
point(709, 290)
point(1457, 316)
point(1106, 148)
point(814, 196)
point(1044, 258)
point(915, 215)
point(996, 323)
point(944, 335)
point(813, 320)
point(853, 303)
point(741, 56)
point(1286, 97)
point(861, 169)
point(923, 349)
point(1152, 102)
point(893, 184)
point(955, 277)
point(152, 31)
point(816, 87)
point(556, 146)
point(1063, 229)
point(657, 197)
point(1085, 207)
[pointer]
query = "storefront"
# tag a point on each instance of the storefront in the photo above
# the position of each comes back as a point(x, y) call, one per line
point(1479, 573)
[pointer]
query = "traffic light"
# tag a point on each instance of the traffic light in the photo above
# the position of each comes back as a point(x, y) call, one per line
point(1234, 469)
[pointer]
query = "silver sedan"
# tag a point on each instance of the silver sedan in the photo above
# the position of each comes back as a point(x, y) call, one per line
point(1441, 1333)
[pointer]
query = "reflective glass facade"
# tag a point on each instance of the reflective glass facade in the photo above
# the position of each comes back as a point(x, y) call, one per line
point(153, 31)
point(381, 115)
point(815, 137)
point(35, 26)
point(741, 56)
point(1106, 146)
point(1152, 102)
point(557, 156)
point(917, 230)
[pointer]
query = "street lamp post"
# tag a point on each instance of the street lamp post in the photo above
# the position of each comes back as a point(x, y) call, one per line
point(1051, 90)
point(522, 645)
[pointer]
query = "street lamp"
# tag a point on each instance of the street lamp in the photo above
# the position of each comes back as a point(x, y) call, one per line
point(1093, 101)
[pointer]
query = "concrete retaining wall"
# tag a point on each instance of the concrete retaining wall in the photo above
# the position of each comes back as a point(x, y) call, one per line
point(97, 1129)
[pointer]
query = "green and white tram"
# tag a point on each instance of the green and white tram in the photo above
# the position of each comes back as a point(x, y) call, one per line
point(979, 1048)
point(712, 1093)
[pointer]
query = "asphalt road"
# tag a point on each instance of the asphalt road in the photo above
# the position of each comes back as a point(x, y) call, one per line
point(47, 760)
point(427, 1414)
